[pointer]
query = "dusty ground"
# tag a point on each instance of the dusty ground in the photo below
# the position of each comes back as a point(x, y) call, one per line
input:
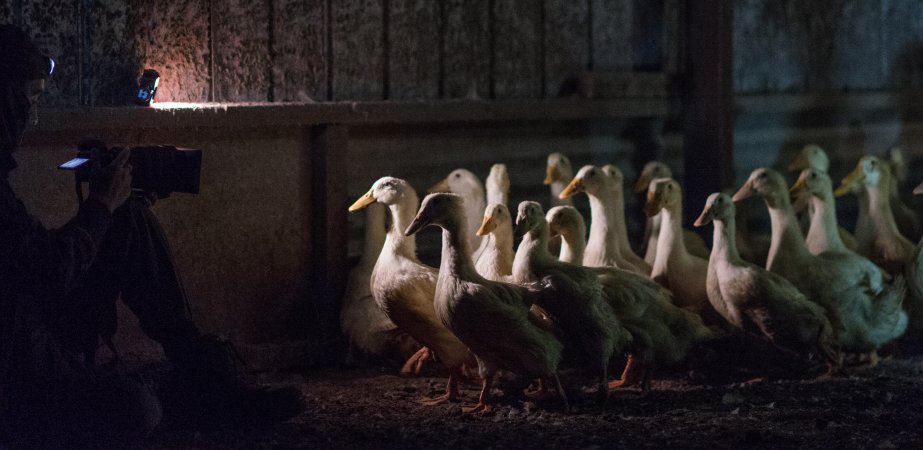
point(372, 408)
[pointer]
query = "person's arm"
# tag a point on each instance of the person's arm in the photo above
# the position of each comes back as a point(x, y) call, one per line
point(50, 262)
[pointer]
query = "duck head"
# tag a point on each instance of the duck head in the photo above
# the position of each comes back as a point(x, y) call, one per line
point(564, 220)
point(558, 169)
point(387, 191)
point(765, 182)
point(441, 209)
point(663, 192)
point(651, 171)
point(529, 217)
point(811, 156)
point(870, 171)
point(589, 179)
point(495, 215)
point(498, 179)
point(813, 182)
point(459, 181)
point(718, 207)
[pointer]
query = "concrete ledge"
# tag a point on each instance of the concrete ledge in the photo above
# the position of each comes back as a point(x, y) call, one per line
point(260, 115)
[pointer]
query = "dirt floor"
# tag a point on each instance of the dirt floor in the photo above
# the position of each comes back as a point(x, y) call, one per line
point(371, 407)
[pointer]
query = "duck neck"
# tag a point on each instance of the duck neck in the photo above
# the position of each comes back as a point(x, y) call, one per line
point(724, 247)
point(456, 253)
point(532, 250)
point(602, 227)
point(375, 234)
point(617, 204)
point(499, 249)
point(823, 222)
point(670, 241)
point(880, 216)
point(787, 240)
point(402, 215)
point(573, 244)
point(557, 187)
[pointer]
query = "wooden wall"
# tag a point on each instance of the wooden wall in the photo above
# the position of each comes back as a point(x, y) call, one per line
point(337, 50)
point(798, 46)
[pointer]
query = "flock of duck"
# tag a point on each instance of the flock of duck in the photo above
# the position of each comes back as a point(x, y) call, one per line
point(814, 291)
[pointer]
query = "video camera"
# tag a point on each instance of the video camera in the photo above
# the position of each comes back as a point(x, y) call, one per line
point(160, 169)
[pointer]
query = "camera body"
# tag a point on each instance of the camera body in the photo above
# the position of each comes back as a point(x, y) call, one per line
point(160, 169)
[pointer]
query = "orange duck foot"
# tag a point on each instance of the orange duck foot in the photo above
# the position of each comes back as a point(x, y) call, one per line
point(480, 408)
point(444, 398)
point(415, 363)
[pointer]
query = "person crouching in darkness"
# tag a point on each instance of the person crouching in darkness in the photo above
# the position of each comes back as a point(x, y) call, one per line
point(58, 290)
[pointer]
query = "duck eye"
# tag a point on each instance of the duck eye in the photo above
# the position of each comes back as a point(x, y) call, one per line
point(457, 175)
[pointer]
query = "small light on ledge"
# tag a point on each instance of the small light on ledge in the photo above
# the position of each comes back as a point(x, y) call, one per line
point(147, 87)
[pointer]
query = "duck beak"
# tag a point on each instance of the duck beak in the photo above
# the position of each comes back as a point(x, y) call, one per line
point(799, 163)
point(551, 174)
point(487, 226)
point(705, 218)
point(575, 187)
point(798, 186)
point(442, 186)
point(643, 183)
point(419, 222)
point(856, 176)
point(918, 190)
point(363, 201)
point(746, 191)
point(652, 205)
point(522, 226)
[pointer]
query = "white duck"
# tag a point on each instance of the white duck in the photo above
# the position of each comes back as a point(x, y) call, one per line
point(694, 243)
point(404, 288)
point(498, 185)
point(467, 185)
point(674, 268)
point(368, 328)
point(882, 242)
point(558, 172)
point(879, 319)
point(812, 156)
point(757, 301)
point(576, 299)
point(843, 283)
point(604, 247)
point(491, 318)
point(495, 261)
point(662, 332)
point(567, 222)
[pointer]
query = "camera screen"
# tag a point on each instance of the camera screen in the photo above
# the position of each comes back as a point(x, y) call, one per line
point(73, 164)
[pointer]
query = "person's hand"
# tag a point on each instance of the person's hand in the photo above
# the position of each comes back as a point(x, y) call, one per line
point(111, 185)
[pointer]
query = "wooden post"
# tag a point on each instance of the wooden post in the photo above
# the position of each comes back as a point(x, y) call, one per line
point(708, 103)
point(329, 230)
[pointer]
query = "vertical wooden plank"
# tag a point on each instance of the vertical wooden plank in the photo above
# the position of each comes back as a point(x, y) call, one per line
point(647, 34)
point(516, 33)
point(771, 43)
point(171, 36)
point(708, 103)
point(902, 51)
point(858, 47)
point(55, 28)
point(413, 60)
point(567, 51)
point(358, 49)
point(466, 49)
point(612, 38)
point(113, 68)
point(329, 229)
point(673, 29)
point(241, 45)
point(299, 46)
point(6, 12)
